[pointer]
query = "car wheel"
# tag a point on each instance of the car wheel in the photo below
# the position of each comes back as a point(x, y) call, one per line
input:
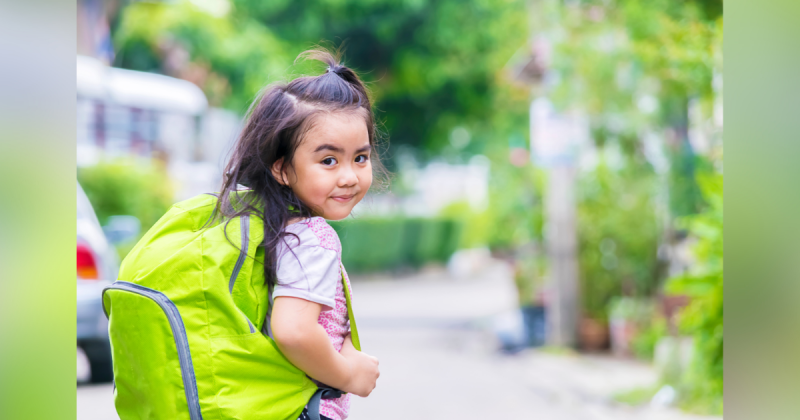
point(99, 354)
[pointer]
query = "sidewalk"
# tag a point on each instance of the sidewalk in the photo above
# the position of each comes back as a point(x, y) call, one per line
point(439, 361)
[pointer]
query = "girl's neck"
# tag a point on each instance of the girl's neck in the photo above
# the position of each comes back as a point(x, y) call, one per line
point(294, 220)
point(297, 219)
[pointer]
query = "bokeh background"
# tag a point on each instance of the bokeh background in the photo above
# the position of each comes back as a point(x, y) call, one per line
point(761, 106)
point(565, 158)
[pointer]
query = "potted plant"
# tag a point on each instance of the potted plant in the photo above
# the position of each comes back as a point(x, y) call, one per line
point(627, 317)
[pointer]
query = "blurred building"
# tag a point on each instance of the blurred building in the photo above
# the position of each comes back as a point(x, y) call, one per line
point(130, 114)
point(439, 184)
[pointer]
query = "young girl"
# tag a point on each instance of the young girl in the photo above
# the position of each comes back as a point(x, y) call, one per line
point(307, 154)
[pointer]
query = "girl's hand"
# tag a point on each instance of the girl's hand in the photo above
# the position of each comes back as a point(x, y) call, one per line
point(364, 371)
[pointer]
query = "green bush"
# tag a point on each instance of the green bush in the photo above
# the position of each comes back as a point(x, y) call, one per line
point(618, 236)
point(511, 225)
point(370, 244)
point(516, 213)
point(375, 244)
point(644, 342)
point(473, 228)
point(125, 187)
point(451, 238)
point(421, 239)
point(701, 387)
point(648, 326)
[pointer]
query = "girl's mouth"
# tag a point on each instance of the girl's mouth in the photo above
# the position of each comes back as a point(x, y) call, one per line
point(343, 198)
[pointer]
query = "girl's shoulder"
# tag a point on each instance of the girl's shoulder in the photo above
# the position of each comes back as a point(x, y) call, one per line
point(316, 231)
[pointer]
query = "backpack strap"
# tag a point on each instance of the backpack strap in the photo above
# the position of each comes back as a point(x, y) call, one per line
point(323, 393)
point(267, 327)
point(353, 329)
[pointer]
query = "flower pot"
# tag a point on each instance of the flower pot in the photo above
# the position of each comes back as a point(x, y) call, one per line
point(593, 334)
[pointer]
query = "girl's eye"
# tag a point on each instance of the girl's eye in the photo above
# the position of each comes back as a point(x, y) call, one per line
point(361, 158)
point(329, 161)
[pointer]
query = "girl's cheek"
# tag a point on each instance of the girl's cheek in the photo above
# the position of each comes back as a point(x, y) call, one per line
point(368, 175)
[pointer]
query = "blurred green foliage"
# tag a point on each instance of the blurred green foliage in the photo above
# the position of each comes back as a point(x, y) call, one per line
point(529, 276)
point(645, 341)
point(380, 244)
point(633, 66)
point(515, 206)
point(514, 214)
point(475, 224)
point(231, 58)
point(428, 72)
point(618, 235)
point(636, 396)
point(702, 384)
point(126, 187)
point(511, 225)
point(515, 225)
point(649, 326)
point(613, 53)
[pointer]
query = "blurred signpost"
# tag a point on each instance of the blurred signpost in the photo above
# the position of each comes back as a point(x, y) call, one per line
point(556, 138)
point(555, 141)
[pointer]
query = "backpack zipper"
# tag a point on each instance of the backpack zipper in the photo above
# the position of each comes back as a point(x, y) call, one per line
point(178, 333)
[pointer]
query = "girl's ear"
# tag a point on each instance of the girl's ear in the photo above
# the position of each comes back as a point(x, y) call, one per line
point(279, 172)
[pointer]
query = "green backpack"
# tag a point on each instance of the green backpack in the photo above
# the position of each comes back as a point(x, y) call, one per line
point(189, 329)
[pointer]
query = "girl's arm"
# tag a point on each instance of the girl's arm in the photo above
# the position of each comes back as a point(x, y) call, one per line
point(305, 343)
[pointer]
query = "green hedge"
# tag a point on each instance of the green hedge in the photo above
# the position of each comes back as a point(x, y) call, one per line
point(376, 244)
point(125, 187)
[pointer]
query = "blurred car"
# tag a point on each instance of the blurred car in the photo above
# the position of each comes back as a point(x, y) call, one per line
point(98, 265)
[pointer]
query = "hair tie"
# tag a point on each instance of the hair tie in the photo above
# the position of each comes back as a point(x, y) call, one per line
point(336, 70)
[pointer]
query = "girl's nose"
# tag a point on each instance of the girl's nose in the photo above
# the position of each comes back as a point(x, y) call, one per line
point(347, 176)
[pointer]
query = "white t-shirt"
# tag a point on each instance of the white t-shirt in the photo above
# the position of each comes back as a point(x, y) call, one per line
point(307, 269)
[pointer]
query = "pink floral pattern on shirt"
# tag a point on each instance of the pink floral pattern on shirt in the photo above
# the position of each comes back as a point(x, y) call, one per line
point(335, 322)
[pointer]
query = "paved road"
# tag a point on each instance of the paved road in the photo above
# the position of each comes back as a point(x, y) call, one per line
point(439, 360)
point(95, 402)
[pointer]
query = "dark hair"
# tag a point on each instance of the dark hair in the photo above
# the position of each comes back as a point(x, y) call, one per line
point(276, 123)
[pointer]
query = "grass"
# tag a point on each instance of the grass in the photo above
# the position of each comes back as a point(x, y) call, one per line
point(557, 350)
point(636, 396)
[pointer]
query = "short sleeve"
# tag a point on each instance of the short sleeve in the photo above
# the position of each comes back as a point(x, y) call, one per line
point(309, 272)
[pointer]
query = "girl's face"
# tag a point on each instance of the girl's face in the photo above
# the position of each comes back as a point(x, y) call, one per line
point(331, 171)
